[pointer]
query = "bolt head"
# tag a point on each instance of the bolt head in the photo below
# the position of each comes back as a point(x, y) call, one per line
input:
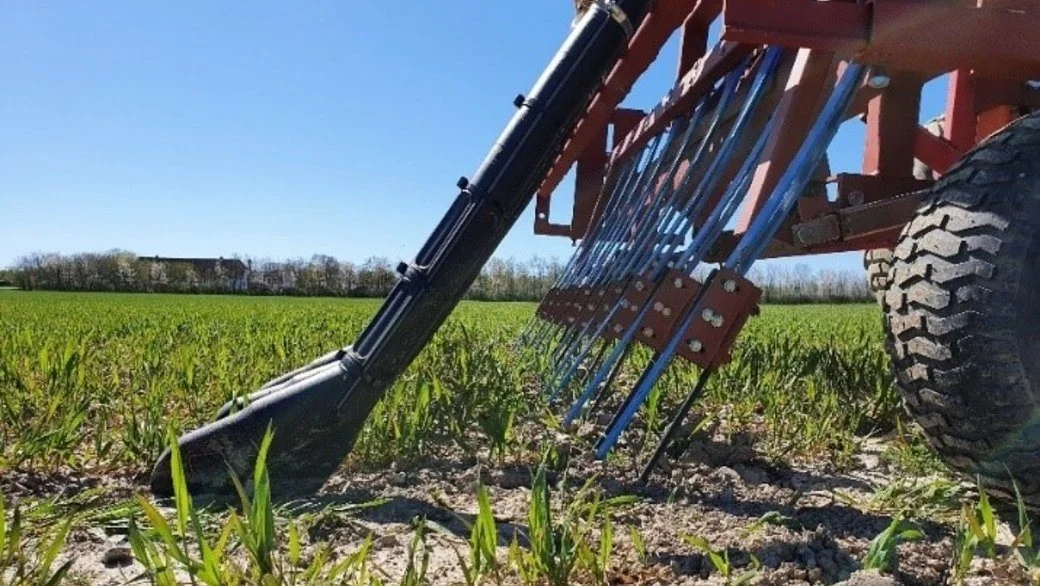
point(730, 286)
point(667, 312)
point(640, 286)
point(678, 283)
point(857, 198)
point(695, 345)
point(708, 314)
point(648, 332)
point(618, 329)
point(879, 81)
point(658, 306)
point(717, 321)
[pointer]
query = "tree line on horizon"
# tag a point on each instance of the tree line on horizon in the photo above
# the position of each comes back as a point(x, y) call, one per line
point(326, 276)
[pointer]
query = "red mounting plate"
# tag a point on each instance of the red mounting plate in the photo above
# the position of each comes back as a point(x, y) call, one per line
point(720, 313)
point(636, 294)
point(671, 300)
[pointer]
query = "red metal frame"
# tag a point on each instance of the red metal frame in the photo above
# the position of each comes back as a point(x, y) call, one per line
point(988, 46)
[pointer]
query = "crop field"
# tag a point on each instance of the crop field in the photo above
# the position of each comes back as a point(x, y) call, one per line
point(798, 466)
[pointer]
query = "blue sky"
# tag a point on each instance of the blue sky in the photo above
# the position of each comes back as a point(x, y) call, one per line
point(271, 129)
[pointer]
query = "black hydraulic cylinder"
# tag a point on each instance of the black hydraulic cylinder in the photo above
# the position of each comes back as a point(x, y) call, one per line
point(317, 412)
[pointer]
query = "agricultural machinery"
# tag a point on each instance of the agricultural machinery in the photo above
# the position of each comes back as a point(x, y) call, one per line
point(731, 167)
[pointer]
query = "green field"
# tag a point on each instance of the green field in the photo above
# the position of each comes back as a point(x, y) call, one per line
point(99, 381)
point(93, 386)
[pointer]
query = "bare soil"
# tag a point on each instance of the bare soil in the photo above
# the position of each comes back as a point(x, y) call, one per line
point(718, 491)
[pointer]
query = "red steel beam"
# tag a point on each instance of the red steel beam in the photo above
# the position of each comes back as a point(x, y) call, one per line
point(624, 121)
point(961, 115)
point(891, 127)
point(938, 153)
point(683, 97)
point(995, 37)
point(643, 49)
point(837, 27)
point(998, 102)
point(695, 34)
point(810, 77)
point(588, 183)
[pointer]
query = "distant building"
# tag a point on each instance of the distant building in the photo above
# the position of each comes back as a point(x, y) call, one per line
point(232, 271)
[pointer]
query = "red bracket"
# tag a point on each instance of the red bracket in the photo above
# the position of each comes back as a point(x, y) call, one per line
point(728, 300)
point(636, 294)
point(669, 304)
point(607, 298)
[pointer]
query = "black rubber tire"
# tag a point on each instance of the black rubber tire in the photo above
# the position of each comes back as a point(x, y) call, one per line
point(963, 313)
point(878, 264)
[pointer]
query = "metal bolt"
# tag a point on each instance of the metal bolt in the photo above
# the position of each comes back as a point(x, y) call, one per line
point(708, 314)
point(804, 234)
point(648, 332)
point(857, 198)
point(658, 306)
point(667, 312)
point(678, 283)
point(879, 81)
point(618, 329)
point(592, 306)
point(695, 345)
point(640, 286)
point(730, 286)
point(717, 321)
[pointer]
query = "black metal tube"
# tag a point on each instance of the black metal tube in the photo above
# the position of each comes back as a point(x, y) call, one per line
point(674, 425)
point(317, 419)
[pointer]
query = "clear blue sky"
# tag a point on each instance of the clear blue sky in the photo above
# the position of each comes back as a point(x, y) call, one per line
point(272, 129)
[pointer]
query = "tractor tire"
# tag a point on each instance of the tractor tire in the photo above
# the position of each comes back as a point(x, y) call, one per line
point(878, 263)
point(963, 314)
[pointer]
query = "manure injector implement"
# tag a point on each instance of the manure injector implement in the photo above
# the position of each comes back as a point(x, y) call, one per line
point(729, 168)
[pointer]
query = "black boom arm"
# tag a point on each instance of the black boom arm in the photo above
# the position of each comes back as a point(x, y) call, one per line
point(317, 412)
